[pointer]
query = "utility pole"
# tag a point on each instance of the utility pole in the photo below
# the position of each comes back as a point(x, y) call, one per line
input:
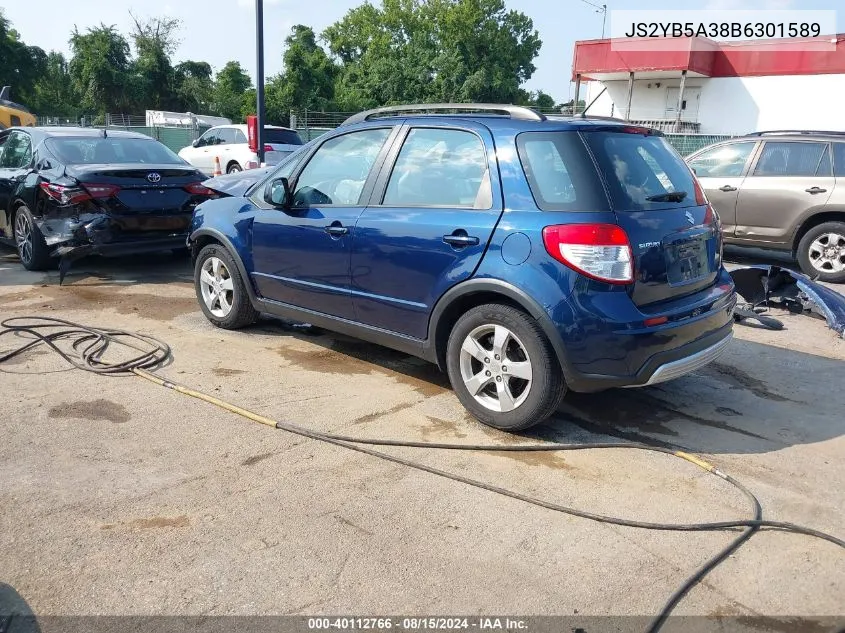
point(259, 83)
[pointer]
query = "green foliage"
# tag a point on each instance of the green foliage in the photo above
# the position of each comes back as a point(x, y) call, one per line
point(193, 87)
point(307, 80)
point(20, 65)
point(387, 52)
point(439, 50)
point(154, 77)
point(228, 94)
point(100, 69)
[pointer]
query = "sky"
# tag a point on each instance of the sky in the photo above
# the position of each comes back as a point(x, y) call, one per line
point(217, 31)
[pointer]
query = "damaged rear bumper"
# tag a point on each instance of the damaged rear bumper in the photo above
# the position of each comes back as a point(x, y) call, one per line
point(110, 234)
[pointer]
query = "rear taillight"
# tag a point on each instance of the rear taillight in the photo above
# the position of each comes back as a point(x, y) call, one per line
point(700, 198)
point(599, 251)
point(269, 148)
point(101, 191)
point(199, 189)
point(64, 195)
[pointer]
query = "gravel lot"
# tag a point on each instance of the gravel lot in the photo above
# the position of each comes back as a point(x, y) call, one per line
point(119, 497)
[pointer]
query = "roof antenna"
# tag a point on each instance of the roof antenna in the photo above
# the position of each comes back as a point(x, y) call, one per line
point(584, 113)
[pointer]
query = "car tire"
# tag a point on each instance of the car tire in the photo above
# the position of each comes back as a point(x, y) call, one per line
point(233, 167)
point(29, 241)
point(220, 289)
point(507, 397)
point(821, 252)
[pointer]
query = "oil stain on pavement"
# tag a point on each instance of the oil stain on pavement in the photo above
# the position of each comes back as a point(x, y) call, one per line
point(99, 409)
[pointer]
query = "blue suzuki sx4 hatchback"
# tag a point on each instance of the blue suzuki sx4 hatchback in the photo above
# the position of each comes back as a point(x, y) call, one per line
point(526, 255)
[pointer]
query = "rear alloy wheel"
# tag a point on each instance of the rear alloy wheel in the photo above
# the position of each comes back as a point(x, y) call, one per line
point(221, 291)
point(29, 241)
point(233, 168)
point(502, 368)
point(821, 252)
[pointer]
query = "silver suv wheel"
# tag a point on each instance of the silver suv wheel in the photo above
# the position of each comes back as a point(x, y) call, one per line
point(217, 287)
point(827, 253)
point(496, 368)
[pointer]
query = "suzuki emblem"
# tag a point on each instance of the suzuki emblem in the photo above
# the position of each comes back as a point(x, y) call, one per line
point(688, 214)
point(155, 177)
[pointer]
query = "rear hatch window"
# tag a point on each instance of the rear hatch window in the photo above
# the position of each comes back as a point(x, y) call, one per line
point(643, 172)
point(281, 137)
point(674, 234)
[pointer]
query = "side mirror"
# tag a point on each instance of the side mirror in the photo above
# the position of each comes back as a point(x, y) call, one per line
point(278, 193)
point(693, 171)
point(195, 142)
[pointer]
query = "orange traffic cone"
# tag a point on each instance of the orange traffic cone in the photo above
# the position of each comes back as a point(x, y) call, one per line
point(217, 171)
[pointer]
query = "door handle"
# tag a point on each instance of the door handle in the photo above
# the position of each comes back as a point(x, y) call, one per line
point(727, 188)
point(460, 240)
point(815, 190)
point(336, 229)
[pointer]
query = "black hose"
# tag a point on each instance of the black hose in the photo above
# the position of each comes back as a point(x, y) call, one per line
point(90, 344)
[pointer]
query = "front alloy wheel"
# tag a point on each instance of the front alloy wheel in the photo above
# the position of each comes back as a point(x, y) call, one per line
point(217, 287)
point(220, 289)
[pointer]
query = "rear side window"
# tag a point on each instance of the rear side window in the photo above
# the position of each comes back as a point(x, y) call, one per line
point(839, 159)
point(96, 150)
point(227, 136)
point(17, 151)
point(560, 172)
point(643, 172)
point(281, 137)
point(442, 168)
point(793, 159)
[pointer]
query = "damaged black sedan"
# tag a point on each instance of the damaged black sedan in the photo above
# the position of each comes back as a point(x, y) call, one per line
point(70, 192)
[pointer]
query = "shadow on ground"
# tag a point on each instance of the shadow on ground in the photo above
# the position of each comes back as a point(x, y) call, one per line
point(16, 616)
point(150, 268)
point(723, 408)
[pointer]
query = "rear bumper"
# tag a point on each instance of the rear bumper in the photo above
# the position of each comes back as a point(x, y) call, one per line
point(663, 366)
point(150, 245)
point(688, 364)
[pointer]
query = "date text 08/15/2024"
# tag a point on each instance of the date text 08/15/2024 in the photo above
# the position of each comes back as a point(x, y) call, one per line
point(416, 624)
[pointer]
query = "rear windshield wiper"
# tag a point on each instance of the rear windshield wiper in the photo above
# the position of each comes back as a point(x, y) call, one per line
point(671, 196)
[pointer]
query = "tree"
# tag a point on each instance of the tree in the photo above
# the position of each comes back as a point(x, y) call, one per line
point(100, 70)
point(439, 50)
point(20, 65)
point(230, 87)
point(307, 78)
point(54, 92)
point(193, 87)
point(155, 41)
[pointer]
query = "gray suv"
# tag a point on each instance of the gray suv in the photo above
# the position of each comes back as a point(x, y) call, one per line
point(781, 190)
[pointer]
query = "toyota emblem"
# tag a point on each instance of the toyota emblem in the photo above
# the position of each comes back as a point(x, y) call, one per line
point(153, 176)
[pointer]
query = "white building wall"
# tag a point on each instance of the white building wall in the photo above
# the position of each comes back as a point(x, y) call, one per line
point(735, 105)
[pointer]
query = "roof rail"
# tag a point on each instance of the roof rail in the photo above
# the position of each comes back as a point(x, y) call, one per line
point(514, 112)
point(802, 132)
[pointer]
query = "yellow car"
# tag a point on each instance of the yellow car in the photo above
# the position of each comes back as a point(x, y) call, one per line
point(13, 114)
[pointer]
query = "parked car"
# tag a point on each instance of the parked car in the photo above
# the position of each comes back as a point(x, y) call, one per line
point(782, 191)
point(229, 144)
point(78, 191)
point(524, 254)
